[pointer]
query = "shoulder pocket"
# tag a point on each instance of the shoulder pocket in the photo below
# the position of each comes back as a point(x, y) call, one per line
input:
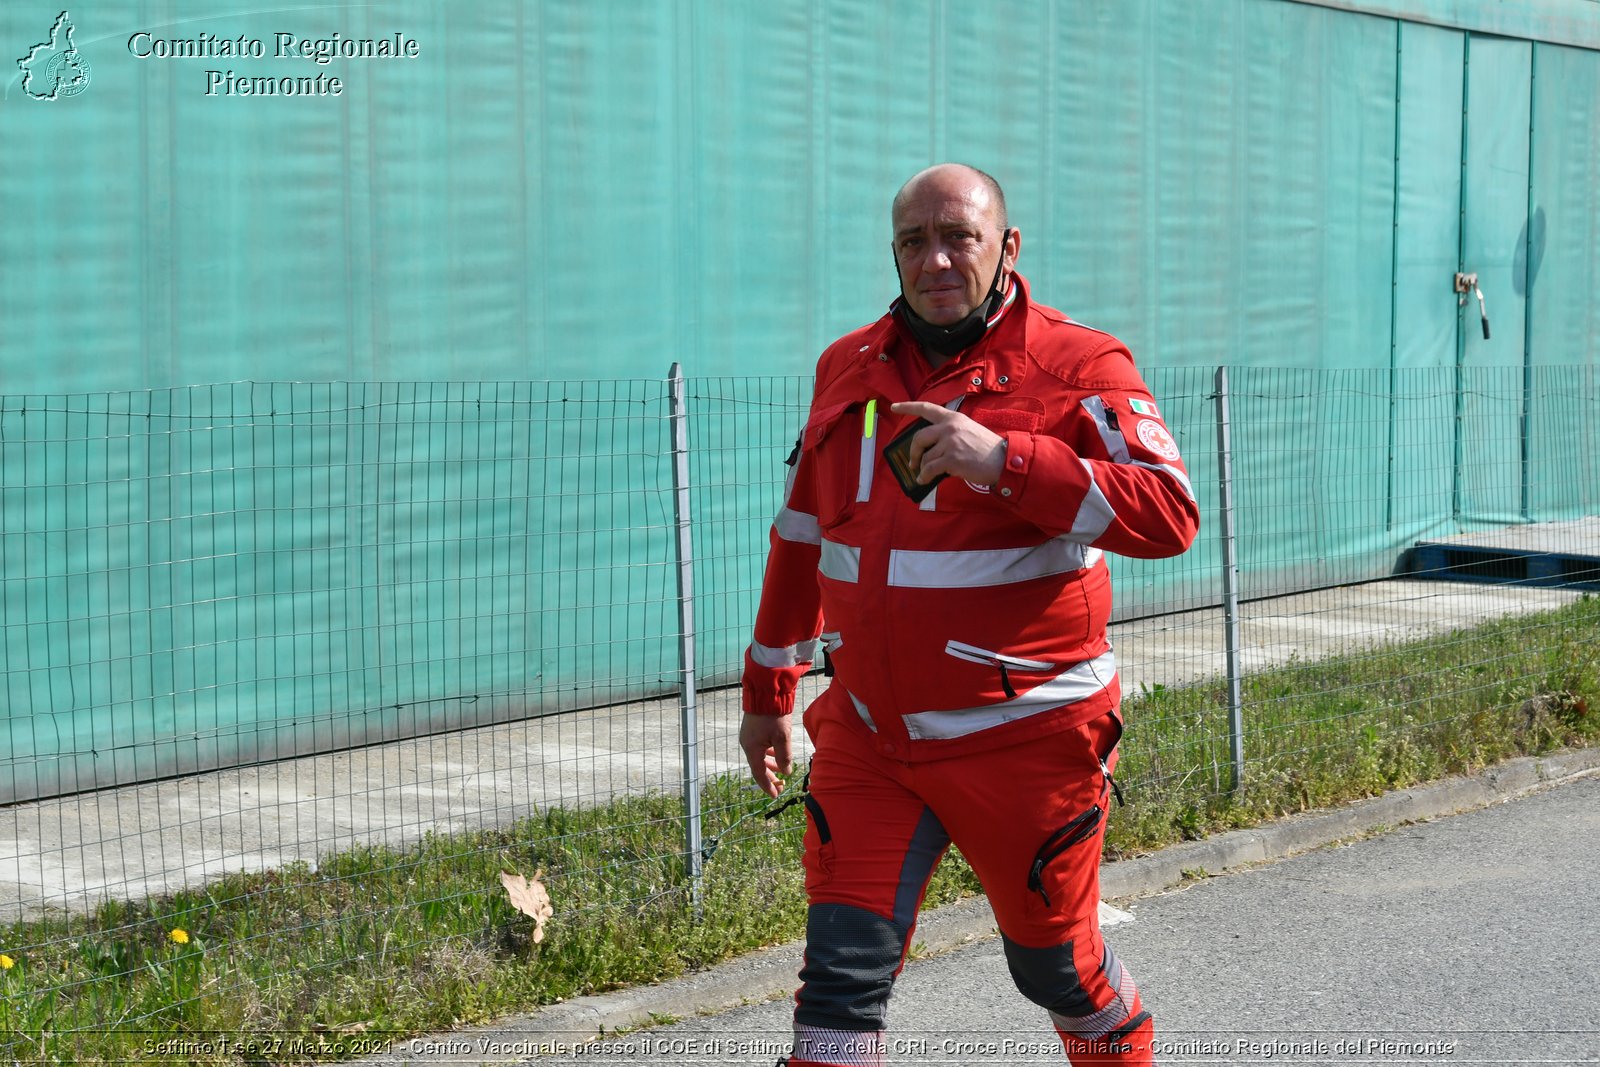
point(821, 423)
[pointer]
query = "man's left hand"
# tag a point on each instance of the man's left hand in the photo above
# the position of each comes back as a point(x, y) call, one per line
point(953, 445)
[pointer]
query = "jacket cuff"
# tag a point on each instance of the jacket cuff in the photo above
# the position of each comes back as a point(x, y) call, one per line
point(768, 691)
point(1016, 466)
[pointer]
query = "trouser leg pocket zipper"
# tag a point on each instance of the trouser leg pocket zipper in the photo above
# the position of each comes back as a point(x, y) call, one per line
point(1105, 758)
point(1116, 790)
point(1080, 829)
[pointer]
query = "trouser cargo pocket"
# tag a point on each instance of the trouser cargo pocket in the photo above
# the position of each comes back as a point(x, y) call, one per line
point(1079, 829)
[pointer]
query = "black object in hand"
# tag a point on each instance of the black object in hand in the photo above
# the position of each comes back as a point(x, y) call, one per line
point(898, 455)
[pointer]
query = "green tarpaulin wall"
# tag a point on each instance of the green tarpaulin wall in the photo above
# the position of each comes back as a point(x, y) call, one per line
point(197, 574)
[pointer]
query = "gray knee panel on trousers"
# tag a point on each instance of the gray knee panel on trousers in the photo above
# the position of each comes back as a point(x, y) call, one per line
point(1048, 977)
point(851, 959)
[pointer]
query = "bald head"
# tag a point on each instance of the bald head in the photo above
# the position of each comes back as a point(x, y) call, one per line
point(956, 176)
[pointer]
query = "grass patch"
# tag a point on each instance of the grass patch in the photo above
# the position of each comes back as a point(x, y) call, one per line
point(1322, 732)
point(297, 964)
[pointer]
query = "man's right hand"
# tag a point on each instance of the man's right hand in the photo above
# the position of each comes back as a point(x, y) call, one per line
point(765, 740)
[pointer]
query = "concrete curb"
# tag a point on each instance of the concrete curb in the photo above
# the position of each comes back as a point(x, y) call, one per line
point(769, 973)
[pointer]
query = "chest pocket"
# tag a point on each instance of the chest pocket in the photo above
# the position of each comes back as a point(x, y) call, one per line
point(1021, 414)
point(831, 446)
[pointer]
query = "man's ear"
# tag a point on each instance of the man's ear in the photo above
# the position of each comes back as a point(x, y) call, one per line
point(1010, 248)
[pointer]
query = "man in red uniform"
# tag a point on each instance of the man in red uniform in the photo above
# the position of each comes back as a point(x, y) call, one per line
point(965, 461)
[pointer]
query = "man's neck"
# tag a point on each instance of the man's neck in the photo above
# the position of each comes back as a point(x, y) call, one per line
point(936, 359)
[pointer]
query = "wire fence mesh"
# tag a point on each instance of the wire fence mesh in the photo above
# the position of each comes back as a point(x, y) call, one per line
point(344, 650)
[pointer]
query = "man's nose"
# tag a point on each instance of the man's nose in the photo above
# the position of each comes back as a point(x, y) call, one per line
point(936, 259)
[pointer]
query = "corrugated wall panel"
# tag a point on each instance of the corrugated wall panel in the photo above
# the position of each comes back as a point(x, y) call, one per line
point(1562, 253)
point(1093, 245)
point(1573, 22)
point(760, 226)
point(1196, 212)
point(1494, 215)
point(558, 188)
point(1315, 284)
point(1427, 249)
point(1428, 211)
point(1561, 264)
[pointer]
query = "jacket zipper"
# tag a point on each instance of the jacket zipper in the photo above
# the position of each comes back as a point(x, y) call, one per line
point(974, 654)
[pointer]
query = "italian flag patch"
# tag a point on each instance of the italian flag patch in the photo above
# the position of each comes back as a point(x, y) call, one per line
point(1144, 407)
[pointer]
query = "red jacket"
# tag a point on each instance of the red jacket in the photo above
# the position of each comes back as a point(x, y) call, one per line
point(977, 618)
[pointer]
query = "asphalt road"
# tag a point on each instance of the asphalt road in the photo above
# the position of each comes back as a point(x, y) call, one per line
point(1473, 939)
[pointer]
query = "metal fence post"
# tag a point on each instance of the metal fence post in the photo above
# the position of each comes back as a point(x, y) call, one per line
point(1230, 581)
point(688, 719)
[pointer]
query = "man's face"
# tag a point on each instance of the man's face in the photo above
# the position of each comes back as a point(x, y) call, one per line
point(947, 243)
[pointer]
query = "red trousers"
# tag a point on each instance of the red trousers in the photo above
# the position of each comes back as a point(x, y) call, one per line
point(1030, 819)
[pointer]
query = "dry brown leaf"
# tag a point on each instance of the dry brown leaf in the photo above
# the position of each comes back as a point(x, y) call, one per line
point(529, 897)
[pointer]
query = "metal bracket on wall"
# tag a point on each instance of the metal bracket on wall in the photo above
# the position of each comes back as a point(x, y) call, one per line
point(1468, 283)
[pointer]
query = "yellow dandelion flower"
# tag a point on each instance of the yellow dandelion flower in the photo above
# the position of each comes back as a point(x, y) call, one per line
point(6, 962)
point(179, 936)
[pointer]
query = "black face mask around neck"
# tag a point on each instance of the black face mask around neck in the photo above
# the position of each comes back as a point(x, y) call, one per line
point(948, 340)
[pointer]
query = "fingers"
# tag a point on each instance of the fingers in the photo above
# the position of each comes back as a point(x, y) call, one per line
point(765, 741)
point(927, 467)
point(921, 409)
point(781, 754)
point(764, 772)
point(952, 444)
point(925, 438)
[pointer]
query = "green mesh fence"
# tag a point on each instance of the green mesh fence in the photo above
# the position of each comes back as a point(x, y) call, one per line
point(228, 575)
